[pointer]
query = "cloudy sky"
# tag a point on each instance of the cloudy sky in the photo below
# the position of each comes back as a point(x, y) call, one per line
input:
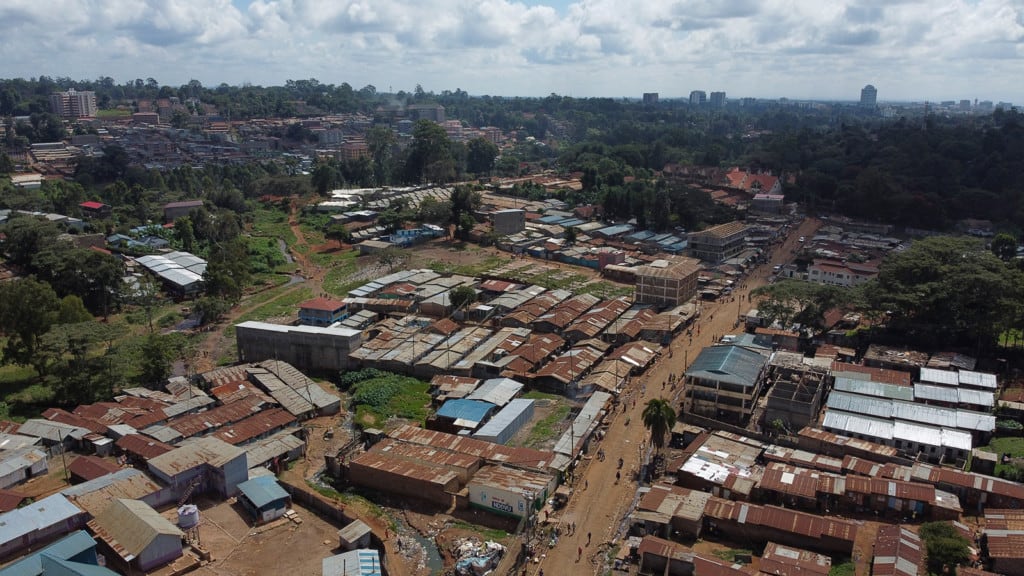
point(829, 49)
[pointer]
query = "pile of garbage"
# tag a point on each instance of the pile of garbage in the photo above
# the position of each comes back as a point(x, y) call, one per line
point(476, 558)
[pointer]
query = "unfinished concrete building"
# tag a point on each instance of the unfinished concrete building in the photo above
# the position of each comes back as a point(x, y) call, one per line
point(796, 392)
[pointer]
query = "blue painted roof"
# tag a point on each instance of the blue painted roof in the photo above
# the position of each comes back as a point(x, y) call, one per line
point(70, 546)
point(572, 222)
point(58, 567)
point(39, 515)
point(730, 364)
point(460, 408)
point(640, 235)
point(551, 219)
point(263, 490)
point(615, 230)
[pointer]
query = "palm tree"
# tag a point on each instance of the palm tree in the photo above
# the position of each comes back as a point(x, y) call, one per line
point(658, 417)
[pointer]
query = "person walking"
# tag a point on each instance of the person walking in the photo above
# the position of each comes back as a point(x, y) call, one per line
point(588, 538)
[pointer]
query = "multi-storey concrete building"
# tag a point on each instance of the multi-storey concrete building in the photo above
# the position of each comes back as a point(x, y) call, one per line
point(667, 282)
point(73, 104)
point(718, 243)
point(509, 221)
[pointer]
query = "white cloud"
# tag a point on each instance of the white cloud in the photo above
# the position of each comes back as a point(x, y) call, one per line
point(796, 48)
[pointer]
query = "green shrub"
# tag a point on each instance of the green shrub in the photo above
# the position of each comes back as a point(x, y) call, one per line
point(349, 379)
point(377, 392)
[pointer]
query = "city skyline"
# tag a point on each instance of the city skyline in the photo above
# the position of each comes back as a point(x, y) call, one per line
point(912, 51)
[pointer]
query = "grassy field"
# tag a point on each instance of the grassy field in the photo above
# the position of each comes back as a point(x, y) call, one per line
point(1013, 338)
point(343, 265)
point(544, 430)
point(286, 305)
point(273, 223)
point(20, 388)
point(389, 396)
point(113, 113)
point(1011, 444)
point(730, 554)
point(488, 263)
point(603, 289)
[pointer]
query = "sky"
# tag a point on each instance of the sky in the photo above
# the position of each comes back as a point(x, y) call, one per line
point(909, 50)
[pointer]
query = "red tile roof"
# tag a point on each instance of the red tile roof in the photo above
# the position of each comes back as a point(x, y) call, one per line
point(92, 205)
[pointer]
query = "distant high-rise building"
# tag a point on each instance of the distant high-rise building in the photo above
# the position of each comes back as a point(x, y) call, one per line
point(717, 99)
point(73, 104)
point(868, 96)
point(698, 97)
point(432, 112)
point(650, 97)
point(965, 105)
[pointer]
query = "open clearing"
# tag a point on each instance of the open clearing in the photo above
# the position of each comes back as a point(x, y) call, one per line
point(289, 548)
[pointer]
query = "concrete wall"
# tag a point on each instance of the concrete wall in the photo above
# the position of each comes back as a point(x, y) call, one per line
point(385, 481)
point(163, 549)
point(305, 351)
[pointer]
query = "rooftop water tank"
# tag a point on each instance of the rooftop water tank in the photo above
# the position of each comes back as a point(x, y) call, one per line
point(188, 516)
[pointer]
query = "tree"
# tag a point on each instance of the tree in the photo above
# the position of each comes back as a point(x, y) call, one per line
point(72, 310)
point(28, 308)
point(946, 547)
point(26, 237)
point(392, 257)
point(146, 295)
point(81, 375)
point(381, 141)
point(791, 301)
point(186, 234)
point(210, 309)
point(338, 233)
point(658, 417)
point(430, 155)
point(1004, 246)
point(94, 276)
point(157, 354)
point(325, 177)
point(946, 290)
point(227, 272)
point(464, 201)
point(435, 211)
point(481, 154)
point(462, 296)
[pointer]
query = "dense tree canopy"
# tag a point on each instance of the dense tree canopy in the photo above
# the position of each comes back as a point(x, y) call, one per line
point(946, 548)
point(796, 301)
point(947, 290)
point(28, 308)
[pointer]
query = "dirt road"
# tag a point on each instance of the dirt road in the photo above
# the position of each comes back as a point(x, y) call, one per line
point(214, 345)
point(601, 502)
